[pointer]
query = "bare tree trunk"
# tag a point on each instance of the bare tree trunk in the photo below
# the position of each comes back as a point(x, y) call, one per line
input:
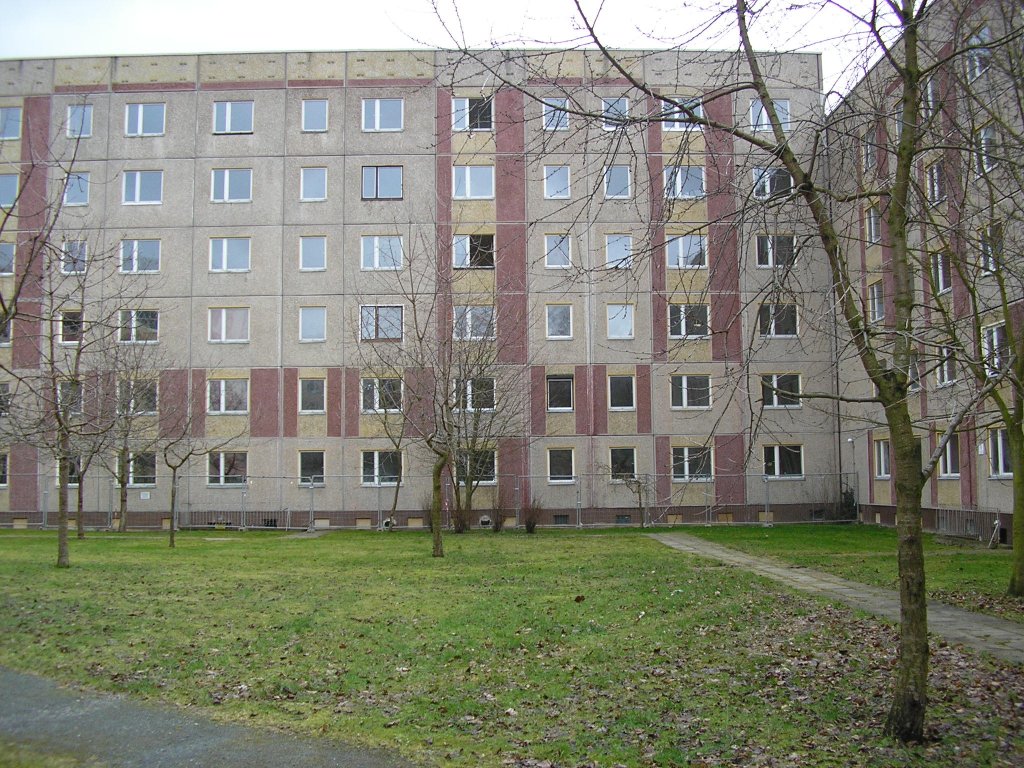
point(905, 720)
point(122, 491)
point(435, 504)
point(1016, 440)
point(174, 506)
point(80, 527)
point(63, 553)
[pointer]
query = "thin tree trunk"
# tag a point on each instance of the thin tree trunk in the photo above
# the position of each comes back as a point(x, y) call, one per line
point(1015, 438)
point(435, 504)
point(63, 553)
point(174, 506)
point(80, 514)
point(122, 491)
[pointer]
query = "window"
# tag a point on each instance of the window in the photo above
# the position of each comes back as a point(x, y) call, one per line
point(137, 396)
point(227, 468)
point(8, 189)
point(143, 188)
point(473, 182)
point(945, 368)
point(140, 256)
point(617, 182)
point(995, 348)
point(776, 250)
point(383, 115)
point(559, 393)
point(382, 252)
point(949, 460)
point(991, 247)
point(311, 468)
point(557, 252)
point(10, 124)
point(3, 470)
point(475, 394)
point(780, 390)
point(686, 252)
point(999, 453)
point(474, 323)
point(687, 320)
point(232, 117)
point(5, 398)
point(985, 149)
point(6, 258)
point(679, 118)
point(874, 225)
point(618, 250)
point(313, 184)
point(560, 465)
point(473, 251)
point(869, 150)
point(941, 278)
point(621, 393)
point(382, 182)
point(230, 254)
point(79, 121)
point(382, 467)
point(143, 119)
point(936, 183)
point(783, 460)
point(73, 257)
point(554, 114)
point(73, 468)
point(979, 57)
point(476, 114)
point(231, 185)
point(690, 391)
point(312, 395)
point(5, 333)
point(559, 321)
point(691, 462)
point(683, 182)
point(876, 302)
point(139, 326)
point(913, 373)
point(556, 182)
point(228, 396)
point(380, 323)
point(142, 468)
point(929, 99)
point(476, 466)
point(313, 253)
point(71, 326)
point(771, 182)
point(622, 462)
point(883, 466)
point(69, 396)
point(229, 324)
point(76, 189)
point(777, 319)
point(620, 321)
point(314, 115)
point(381, 395)
point(614, 113)
point(759, 119)
point(312, 323)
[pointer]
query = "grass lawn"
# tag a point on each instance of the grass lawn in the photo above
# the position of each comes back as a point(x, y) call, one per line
point(582, 649)
point(960, 572)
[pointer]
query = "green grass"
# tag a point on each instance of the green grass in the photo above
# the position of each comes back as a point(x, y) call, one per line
point(570, 647)
point(20, 756)
point(961, 572)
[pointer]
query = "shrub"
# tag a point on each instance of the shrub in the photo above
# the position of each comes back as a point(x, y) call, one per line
point(531, 514)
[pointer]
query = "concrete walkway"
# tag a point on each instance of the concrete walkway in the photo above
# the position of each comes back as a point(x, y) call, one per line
point(123, 733)
point(999, 637)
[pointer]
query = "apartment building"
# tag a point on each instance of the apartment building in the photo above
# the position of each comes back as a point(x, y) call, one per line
point(280, 224)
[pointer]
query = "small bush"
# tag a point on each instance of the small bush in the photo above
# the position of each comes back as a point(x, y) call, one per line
point(531, 514)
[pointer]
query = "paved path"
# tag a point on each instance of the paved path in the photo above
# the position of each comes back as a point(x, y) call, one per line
point(999, 637)
point(123, 733)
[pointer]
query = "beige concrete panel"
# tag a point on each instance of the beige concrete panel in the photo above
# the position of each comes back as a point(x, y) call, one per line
point(379, 65)
point(683, 147)
point(561, 423)
point(10, 151)
point(82, 71)
point(684, 351)
point(221, 426)
point(686, 211)
point(949, 492)
point(314, 143)
point(263, 209)
point(175, 210)
point(155, 69)
point(312, 425)
point(315, 65)
point(269, 117)
point(469, 212)
point(475, 281)
point(178, 138)
point(473, 147)
point(240, 67)
point(692, 283)
point(598, 66)
point(26, 76)
point(622, 422)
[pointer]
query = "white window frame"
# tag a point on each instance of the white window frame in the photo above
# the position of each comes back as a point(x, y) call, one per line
point(949, 459)
point(79, 180)
point(322, 395)
point(562, 479)
point(462, 112)
point(554, 114)
point(759, 120)
point(777, 460)
point(999, 453)
point(137, 127)
point(466, 394)
point(307, 126)
point(945, 367)
point(551, 192)
point(618, 477)
point(306, 178)
point(689, 455)
point(379, 480)
point(133, 482)
point(632, 384)
point(628, 312)
point(371, 251)
point(10, 116)
point(9, 182)
point(764, 182)
point(228, 108)
point(876, 301)
point(992, 346)
point(979, 57)
point(84, 123)
point(985, 146)
point(679, 247)
point(306, 316)
point(548, 317)
point(8, 253)
point(132, 246)
point(776, 391)
point(221, 386)
point(132, 398)
point(220, 249)
point(463, 251)
point(464, 455)
point(684, 389)
point(222, 479)
point(226, 175)
point(463, 322)
point(766, 257)
point(677, 178)
point(312, 480)
point(468, 191)
point(935, 183)
point(683, 311)
point(883, 458)
point(612, 117)
point(321, 241)
point(873, 225)
point(370, 325)
point(772, 330)
point(572, 393)
point(618, 262)
point(373, 125)
point(675, 119)
point(75, 316)
point(74, 258)
point(137, 199)
point(218, 320)
point(372, 386)
point(375, 172)
point(612, 171)
point(129, 321)
point(552, 245)
point(990, 246)
point(941, 272)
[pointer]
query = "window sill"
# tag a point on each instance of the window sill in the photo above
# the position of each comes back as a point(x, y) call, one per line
point(687, 267)
point(690, 407)
point(242, 484)
point(566, 481)
point(228, 341)
point(949, 477)
point(312, 341)
point(133, 202)
point(774, 478)
point(560, 410)
point(312, 413)
point(688, 480)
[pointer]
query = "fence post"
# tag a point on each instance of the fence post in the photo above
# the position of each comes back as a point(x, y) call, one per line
point(767, 501)
point(245, 493)
point(312, 511)
point(579, 501)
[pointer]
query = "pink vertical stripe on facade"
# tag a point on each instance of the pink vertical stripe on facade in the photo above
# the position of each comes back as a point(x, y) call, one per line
point(173, 402)
point(335, 402)
point(538, 400)
point(265, 402)
point(582, 399)
point(730, 480)
point(351, 400)
point(663, 469)
point(599, 399)
point(643, 399)
point(198, 402)
point(23, 471)
point(290, 402)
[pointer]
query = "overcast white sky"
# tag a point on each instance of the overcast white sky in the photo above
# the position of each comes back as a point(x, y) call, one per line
point(45, 28)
